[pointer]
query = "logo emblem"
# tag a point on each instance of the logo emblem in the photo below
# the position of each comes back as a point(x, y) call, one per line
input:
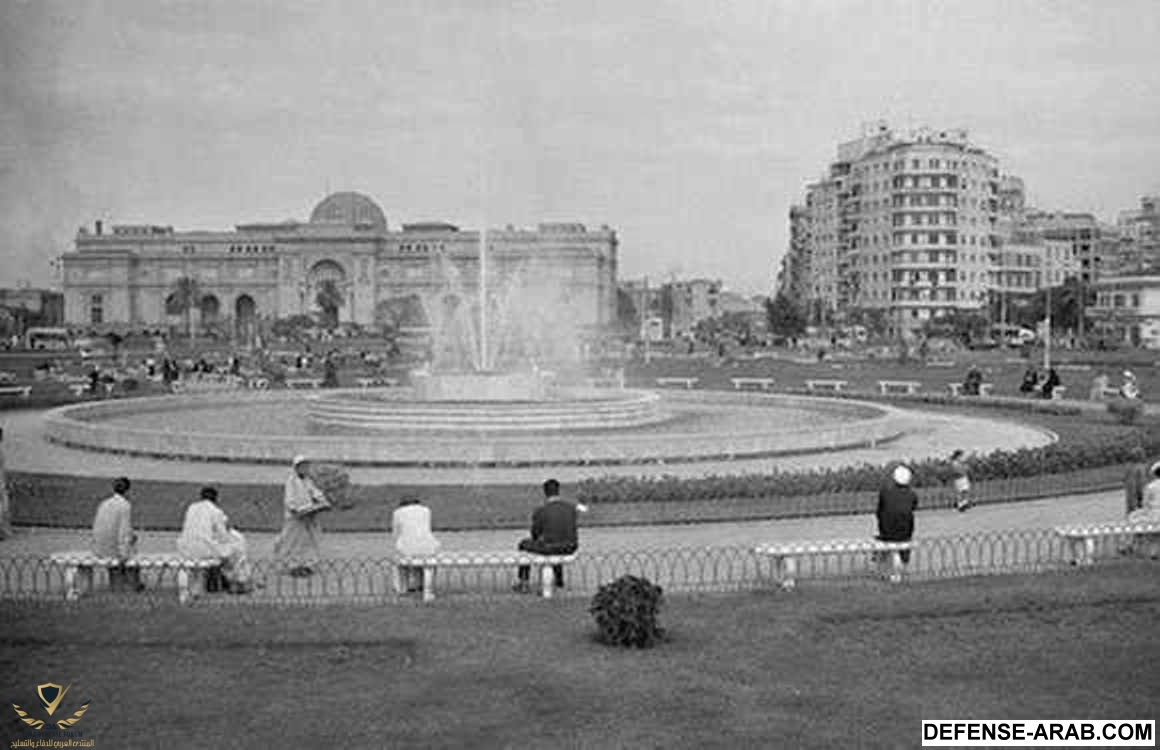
point(51, 695)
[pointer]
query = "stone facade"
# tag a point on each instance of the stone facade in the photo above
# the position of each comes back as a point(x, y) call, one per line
point(127, 275)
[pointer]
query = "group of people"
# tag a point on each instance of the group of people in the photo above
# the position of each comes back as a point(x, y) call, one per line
point(1129, 388)
point(1042, 383)
point(207, 534)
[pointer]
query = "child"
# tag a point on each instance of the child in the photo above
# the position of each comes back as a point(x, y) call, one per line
point(961, 481)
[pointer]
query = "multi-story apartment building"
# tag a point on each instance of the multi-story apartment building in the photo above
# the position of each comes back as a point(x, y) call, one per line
point(904, 225)
point(1094, 244)
point(1139, 228)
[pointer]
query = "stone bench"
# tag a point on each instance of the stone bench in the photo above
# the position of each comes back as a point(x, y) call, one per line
point(909, 387)
point(541, 565)
point(832, 386)
point(687, 383)
point(23, 391)
point(1057, 392)
point(785, 556)
point(956, 389)
point(365, 383)
point(79, 389)
point(296, 383)
point(761, 383)
point(82, 563)
point(1083, 538)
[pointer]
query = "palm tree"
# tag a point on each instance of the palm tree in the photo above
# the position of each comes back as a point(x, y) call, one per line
point(184, 298)
point(329, 298)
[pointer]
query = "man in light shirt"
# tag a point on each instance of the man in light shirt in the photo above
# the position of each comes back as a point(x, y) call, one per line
point(411, 530)
point(206, 534)
point(113, 537)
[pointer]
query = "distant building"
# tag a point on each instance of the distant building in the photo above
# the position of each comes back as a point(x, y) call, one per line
point(1093, 243)
point(23, 307)
point(127, 275)
point(1127, 309)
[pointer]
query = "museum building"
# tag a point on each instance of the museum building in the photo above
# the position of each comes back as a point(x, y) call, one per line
point(130, 275)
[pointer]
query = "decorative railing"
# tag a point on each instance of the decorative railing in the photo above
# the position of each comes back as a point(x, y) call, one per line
point(705, 569)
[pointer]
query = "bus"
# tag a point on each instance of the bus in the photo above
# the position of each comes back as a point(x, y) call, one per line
point(54, 339)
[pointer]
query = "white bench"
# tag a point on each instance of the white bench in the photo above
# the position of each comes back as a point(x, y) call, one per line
point(1057, 392)
point(258, 383)
point(23, 391)
point(365, 383)
point(833, 386)
point(687, 383)
point(79, 389)
point(956, 389)
point(430, 563)
point(1083, 538)
point(296, 383)
point(81, 563)
point(985, 389)
point(785, 556)
point(761, 383)
point(909, 387)
point(7, 377)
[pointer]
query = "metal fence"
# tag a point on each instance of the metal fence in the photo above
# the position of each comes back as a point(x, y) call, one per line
point(706, 569)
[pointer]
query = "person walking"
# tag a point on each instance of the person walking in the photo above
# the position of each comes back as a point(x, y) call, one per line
point(298, 543)
point(553, 533)
point(961, 481)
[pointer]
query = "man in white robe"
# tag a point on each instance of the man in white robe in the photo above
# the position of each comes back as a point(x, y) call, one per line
point(297, 544)
point(206, 534)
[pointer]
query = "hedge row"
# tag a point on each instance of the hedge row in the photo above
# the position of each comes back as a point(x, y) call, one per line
point(1096, 446)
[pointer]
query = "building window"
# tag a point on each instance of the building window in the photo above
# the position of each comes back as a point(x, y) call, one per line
point(97, 309)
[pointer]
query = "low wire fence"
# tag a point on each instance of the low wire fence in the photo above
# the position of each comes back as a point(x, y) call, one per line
point(706, 569)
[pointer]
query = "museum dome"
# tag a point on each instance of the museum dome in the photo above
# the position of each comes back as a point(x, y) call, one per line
point(349, 209)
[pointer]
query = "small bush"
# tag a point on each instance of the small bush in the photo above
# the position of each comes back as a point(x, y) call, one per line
point(626, 613)
point(1126, 411)
point(333, 480)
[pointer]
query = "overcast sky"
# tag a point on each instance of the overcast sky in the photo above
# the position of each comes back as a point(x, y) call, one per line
point(689, 127)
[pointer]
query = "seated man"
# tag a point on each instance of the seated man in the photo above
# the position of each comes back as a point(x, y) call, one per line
point(113, 537)
point(553, 533)
point(411, 531)
point(206, 535)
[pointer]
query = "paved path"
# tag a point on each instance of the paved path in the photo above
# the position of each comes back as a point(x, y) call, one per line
point(1030, 515)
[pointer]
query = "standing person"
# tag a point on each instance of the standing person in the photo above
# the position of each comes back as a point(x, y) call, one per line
point(897, 502)
point(297, 544)
point(5, 506)
point(1149, 512)
point(1129, 388)
point(411, 532)
point(114, 538)
point(206, 534)
point(553, 533)
point(1135, 480)
point(961, 481)
point(1099, 387)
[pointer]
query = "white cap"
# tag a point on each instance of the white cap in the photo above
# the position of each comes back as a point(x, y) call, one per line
point(901, 476)
point(299, 459)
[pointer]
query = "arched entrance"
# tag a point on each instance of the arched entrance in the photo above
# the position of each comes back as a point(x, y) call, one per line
point(326, 290)
point(210, 308)
point(245, 319)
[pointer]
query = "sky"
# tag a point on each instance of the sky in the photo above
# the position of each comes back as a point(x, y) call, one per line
point(689, 127)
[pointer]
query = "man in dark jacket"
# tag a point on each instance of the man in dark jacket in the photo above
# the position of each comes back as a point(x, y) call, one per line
point(553, 533)
point(896, 504)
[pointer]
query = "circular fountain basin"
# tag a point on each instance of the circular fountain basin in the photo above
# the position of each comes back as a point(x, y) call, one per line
point(272, 426)
point(479, 386)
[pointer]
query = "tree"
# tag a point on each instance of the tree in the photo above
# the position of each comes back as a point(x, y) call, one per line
point(785, 319)
point(329, 298)
point(183, 299)
point(963, 326)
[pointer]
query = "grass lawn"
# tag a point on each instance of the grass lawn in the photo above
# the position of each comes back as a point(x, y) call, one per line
point(855, 665)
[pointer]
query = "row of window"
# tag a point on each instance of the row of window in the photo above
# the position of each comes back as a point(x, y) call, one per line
point(899, 165)
point(421, 248)
point(1116, 299)
point(252, 249)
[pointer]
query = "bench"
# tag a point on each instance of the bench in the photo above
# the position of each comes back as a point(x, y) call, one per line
point(1057, 392)
point(785, 556)
point(82, 564)
point(79, 389)
point(956, 389)
point(687, 383)
point(365, 383)
point(909, 387)
point(833, 386)
point(541, 565)
point(258, 383)
point(296, 383)
point(1083, 538)
point(7, 377)
point(761, 383)
point(23, 391)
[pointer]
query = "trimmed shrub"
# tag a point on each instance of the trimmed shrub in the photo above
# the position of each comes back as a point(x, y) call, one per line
point(626, 613)
point(1127, 411)
point(334, 480)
